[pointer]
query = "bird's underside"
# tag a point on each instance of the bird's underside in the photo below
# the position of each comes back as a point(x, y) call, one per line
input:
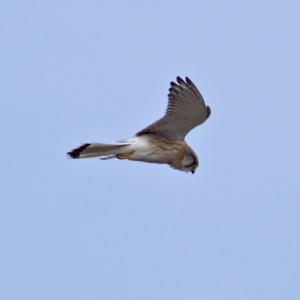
point(163, 141)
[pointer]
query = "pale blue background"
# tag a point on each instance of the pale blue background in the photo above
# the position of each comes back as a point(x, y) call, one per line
point(82, 71)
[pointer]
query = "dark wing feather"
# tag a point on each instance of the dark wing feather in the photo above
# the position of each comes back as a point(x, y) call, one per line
point(186, 110)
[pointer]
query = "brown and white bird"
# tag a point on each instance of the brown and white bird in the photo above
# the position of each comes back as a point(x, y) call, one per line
point(163, 141)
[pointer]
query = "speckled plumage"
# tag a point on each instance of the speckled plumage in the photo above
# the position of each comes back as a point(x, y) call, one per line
point(163, 141)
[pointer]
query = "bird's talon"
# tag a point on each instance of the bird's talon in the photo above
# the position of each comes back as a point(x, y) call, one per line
point(124, 156)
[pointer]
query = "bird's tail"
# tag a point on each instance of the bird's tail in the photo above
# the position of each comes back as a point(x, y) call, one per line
point(100, 150)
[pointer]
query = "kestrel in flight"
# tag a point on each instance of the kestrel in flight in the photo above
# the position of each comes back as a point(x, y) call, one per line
point(163, 141)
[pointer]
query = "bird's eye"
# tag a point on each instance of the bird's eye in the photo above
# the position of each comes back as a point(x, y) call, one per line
point(192, 163)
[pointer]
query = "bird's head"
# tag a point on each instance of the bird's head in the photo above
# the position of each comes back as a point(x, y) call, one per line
point(190, 161)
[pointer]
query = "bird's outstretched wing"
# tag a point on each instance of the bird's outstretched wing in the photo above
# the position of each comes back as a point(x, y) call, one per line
point(186, 110)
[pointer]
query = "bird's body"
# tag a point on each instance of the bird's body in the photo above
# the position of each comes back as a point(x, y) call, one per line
point(152, 148)
point(163, 141)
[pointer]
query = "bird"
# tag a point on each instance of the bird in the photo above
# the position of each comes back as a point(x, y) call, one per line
point(162, 142)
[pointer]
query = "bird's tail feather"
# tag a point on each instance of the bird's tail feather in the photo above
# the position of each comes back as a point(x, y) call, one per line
point(99, 150)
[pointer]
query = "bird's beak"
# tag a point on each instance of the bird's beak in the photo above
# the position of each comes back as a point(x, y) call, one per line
point(193, 171)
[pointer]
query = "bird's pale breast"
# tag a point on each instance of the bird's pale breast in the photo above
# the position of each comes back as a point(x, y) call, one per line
point(155, 148)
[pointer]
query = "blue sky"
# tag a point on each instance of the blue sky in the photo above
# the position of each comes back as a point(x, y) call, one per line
point(83, 71)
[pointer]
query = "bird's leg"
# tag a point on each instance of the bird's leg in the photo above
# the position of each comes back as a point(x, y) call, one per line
point(124, 156)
